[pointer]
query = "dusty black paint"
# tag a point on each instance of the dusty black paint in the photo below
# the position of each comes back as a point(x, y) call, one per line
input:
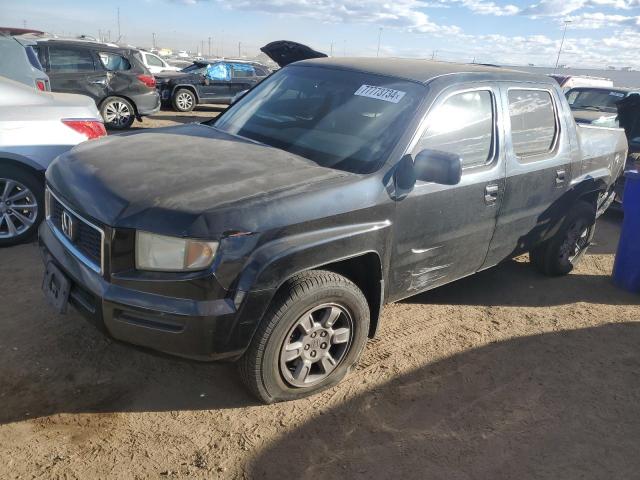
point(276, 214)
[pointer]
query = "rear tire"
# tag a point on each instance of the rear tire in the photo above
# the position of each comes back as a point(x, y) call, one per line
point(118, 113)
point(21, 205)
point(560, 254)
point(311, 336)
point(183, 100)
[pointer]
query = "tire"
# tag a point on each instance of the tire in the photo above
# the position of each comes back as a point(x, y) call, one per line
point(560, 254)
point(183, 100)
point(319, 295)
point(19, 217)
point(118, 113)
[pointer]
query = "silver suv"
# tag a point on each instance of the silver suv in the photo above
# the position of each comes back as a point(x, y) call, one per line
point(20, 62)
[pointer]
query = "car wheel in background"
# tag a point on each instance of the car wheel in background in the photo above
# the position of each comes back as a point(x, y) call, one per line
point(560, 254)
point(21, 205)
point(311, 336)
point(118, 113)
point(183, 100)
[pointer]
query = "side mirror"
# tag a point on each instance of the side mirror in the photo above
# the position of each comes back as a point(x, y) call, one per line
point(438, 167)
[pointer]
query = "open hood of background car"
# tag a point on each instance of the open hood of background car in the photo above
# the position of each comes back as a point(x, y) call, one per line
point(284, 52)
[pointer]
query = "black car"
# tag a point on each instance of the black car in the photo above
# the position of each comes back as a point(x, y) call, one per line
point(116, 79)
point(206, 82)
point(275, 233)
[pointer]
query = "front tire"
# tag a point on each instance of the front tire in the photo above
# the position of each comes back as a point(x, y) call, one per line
point(118, 113)
point(183, 100)
point(560, 254)
point(309, 339)
point(21, 205)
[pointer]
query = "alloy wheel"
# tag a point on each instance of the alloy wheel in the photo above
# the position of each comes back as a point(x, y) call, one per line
point(316, 344)
point(184, 101)
point(18, 208)
point(576, 241)
point(117, 113)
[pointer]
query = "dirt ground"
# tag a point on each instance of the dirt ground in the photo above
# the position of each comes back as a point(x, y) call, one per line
point(505, 374)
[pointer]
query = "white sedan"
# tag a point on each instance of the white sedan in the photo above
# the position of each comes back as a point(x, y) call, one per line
point(35, 127)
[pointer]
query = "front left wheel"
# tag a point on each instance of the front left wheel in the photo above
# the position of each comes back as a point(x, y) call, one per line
point(311, 336)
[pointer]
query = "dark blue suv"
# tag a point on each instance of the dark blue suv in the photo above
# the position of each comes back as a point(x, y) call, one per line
point(208, 81)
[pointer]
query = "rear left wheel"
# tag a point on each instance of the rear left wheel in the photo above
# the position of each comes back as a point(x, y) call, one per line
point(560, 254)
point(21, 205)
point(118, 113)
point(311, 336)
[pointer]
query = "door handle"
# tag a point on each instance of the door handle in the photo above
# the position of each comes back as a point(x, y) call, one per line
point(491, 194)
point(561, 175)
point(100, 81)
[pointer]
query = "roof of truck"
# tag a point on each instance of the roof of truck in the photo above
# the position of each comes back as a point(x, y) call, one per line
point(424, 71)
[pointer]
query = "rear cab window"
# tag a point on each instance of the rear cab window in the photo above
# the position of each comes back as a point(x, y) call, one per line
point(463, 123)
point(534, 123)
point(70, 59)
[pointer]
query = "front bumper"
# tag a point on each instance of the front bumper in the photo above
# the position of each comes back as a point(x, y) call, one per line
point(205, 330)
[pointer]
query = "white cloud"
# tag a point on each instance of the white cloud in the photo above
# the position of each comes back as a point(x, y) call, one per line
point(597, 20)
point(490, 8)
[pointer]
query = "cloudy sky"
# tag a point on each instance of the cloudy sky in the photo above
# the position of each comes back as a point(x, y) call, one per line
point(518, 32)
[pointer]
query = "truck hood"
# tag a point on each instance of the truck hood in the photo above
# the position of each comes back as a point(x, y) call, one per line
point(178, 180)
point(284, 52)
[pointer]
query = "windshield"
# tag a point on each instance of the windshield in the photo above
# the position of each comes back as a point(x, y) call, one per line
point(195, 68)
point(597, 100)
point(336, 118)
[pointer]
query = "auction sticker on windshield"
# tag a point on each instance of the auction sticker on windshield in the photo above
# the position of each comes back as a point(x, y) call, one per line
point(380, 93)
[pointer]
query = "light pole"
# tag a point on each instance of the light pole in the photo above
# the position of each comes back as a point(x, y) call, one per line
point(379, 38)
point(564, 33)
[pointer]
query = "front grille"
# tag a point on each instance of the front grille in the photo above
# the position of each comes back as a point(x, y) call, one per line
point(87, 239)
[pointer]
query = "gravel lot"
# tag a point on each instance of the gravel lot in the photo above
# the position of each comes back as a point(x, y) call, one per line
point(506, 374)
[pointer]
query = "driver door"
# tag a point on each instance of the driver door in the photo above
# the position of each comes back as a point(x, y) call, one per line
point(443, 232)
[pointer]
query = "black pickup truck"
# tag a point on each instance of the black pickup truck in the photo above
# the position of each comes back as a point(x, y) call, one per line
point(275, 234)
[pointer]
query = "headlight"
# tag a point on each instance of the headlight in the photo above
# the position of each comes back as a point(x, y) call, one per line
point(172, 254)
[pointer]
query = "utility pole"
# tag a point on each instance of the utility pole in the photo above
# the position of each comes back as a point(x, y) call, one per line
point(222, 45)
point(201, 47)
point(24, 24)
point(239, 50)
point(154, 41)
point(564, 33)
point(331, 50)
point(119, 35)
point(433, 54)
point(209, 47)
point(344, 48)
point(379, 38)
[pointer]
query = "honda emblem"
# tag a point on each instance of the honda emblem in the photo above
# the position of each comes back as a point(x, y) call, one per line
point(68, 227)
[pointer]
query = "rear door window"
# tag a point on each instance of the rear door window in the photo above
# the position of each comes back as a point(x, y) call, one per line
point(242, 70)
point(114, 62)
point(70, 60)
point(534, 126)
point(463, 124)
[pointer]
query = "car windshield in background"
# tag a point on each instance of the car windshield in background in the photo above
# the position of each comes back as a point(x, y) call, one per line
point(336, 118)
point(195, 67)
point(597, 100)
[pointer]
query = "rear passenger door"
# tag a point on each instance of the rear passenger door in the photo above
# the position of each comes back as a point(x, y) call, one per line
point(242, 78)
point(74, 69)
point(443, 231)
point(538, 170)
